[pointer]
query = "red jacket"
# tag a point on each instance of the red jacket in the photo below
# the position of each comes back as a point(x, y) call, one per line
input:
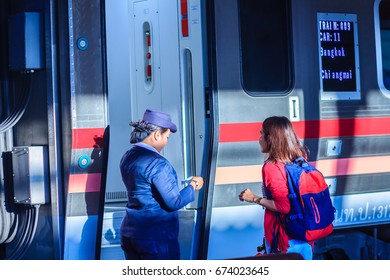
point(275, 187)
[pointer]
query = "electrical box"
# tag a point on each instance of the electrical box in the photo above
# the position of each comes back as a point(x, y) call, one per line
point(25, 41)
point(30, 175)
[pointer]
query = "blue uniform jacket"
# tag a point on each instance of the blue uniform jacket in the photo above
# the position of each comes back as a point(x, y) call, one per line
point(153, 195)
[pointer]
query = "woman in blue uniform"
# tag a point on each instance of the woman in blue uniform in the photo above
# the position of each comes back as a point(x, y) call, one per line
point(150, 227)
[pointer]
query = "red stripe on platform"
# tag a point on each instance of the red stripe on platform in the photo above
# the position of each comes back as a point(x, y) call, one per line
point(248, 132)
point(86, 138)
point(79, 183)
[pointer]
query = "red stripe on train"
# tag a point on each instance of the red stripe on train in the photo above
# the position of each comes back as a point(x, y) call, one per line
point(80, 183)
point(86, 138)
point(247, 132)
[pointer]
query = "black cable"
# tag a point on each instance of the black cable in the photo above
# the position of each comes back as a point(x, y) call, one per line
point(21, 105)
point(31, 231)
point(13, 229)
point(24, 233)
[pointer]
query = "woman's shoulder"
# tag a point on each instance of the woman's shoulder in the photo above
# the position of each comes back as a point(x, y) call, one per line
point(270, 167)
point(271, 164)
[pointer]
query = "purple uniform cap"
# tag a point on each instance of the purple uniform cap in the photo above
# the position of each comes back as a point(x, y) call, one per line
point(160, 119)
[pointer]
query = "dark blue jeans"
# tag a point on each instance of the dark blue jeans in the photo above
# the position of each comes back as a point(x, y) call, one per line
point(147, 249)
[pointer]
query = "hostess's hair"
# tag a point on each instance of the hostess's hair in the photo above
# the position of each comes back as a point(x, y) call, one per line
point(142, 129)
point(282, 141)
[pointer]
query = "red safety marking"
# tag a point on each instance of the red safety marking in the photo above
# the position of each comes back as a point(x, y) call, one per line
point(87, 138)
point(184, 27)
point(149, 71)
point(183, 7)
point(248, 132)
point(148, 43)
point(79, 183)
point(184, 18)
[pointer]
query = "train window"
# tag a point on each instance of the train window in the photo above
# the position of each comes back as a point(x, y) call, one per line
point(265, 38)
point(338, 56)
point(384, 24)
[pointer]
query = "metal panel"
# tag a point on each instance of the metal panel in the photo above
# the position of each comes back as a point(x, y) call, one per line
point(26, 41)
point(30, 175)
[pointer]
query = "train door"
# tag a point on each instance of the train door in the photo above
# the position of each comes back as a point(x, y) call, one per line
point(154, 55)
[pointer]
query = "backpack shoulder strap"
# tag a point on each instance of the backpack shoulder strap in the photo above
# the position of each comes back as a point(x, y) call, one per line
point(299, 160)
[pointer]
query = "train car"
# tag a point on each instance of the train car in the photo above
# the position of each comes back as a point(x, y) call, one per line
point(75, 73)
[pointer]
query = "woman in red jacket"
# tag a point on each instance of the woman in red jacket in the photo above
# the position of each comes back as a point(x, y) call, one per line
point(281, 145)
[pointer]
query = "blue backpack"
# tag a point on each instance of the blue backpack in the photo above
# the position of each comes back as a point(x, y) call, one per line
point(312, 213)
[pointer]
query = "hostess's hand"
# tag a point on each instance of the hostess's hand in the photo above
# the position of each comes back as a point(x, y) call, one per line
point(197, 182)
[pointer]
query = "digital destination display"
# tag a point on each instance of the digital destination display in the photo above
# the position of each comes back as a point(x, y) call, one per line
point(338, 56)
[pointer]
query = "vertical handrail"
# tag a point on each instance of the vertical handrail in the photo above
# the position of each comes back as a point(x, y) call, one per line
point(188, 117)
